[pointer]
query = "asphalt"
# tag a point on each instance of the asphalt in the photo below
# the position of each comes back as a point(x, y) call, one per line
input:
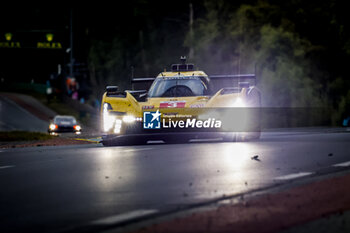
point(276, 209)
point(92, 188)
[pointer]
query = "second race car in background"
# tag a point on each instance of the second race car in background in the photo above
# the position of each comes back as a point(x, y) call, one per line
point(179, 104)
point(63, 123)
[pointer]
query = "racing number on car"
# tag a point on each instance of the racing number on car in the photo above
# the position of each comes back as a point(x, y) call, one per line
point(172, 104)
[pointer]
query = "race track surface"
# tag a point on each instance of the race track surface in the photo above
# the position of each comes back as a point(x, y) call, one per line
point(60, 188)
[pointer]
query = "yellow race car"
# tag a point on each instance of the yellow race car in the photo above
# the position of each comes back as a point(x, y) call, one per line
point(180, 105)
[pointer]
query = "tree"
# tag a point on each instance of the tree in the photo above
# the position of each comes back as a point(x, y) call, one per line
point(257, 36)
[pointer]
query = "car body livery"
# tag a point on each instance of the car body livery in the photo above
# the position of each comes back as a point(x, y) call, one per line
point(180, 105)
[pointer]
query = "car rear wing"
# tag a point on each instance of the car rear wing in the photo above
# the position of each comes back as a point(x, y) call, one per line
point(232, 80)
point(141, 83)
point(217, 81)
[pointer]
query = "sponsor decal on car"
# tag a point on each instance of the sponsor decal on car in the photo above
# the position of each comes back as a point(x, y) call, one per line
point(197, 106)
point(148, 107)
point(172, 104)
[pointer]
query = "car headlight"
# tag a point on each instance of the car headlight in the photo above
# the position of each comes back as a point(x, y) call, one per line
point(129, 119)
point(238, 103)
point(107, 106)
point(77, 127)
point(52, 126)
point(117, 126)
point(108, 121)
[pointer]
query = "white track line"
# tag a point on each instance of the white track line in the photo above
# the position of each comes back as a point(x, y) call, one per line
point(4, 167)
point(123, 217)
point(293, 176)
point(345, 164)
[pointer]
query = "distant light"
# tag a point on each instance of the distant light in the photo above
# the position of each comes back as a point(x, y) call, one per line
point(8, 36)
point(49, 37)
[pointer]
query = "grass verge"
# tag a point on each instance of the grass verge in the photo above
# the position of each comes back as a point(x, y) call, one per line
point(10, 136)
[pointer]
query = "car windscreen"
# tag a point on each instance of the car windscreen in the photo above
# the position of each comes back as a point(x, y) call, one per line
point(65, 120)
point(178, 87)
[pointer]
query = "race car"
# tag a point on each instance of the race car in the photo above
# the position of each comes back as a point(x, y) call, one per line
point(64, 123)
point(180, 105)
